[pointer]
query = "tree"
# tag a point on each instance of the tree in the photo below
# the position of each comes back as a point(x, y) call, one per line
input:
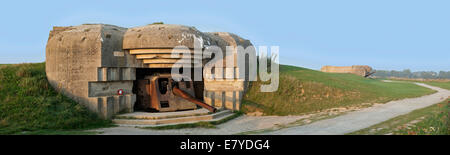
point(416, 75)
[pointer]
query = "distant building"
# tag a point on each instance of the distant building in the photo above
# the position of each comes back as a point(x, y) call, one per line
point(360, 70)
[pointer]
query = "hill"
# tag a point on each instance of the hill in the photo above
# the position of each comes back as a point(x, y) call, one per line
point(303, 90)
point(28, 103)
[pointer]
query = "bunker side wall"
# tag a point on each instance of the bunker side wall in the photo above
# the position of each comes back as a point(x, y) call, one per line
point(87, 64)
point(116, 73)
point(223, 87)
point(72, 58)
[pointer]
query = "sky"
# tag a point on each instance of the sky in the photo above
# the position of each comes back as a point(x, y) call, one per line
point(385, 34)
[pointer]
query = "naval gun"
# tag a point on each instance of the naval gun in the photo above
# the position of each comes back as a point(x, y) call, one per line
point(160, 92)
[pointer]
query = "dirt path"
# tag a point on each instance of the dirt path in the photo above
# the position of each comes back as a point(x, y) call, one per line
point(346, 123)
point(367, 117)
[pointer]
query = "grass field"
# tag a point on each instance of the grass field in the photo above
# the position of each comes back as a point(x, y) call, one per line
point(445, 85)
point(303, 90)
point(432, 120)
point(442, 83)
point(28, 105)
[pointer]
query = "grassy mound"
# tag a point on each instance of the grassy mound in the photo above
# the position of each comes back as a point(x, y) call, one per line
point(303, 90)
point(29, 103)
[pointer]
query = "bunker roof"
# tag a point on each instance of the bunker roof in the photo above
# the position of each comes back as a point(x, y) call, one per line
point(164, 36)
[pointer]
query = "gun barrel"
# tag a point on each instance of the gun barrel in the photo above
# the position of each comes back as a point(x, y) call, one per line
point(178, 92)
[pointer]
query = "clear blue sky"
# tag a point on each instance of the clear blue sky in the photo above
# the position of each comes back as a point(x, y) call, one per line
point(386, 34)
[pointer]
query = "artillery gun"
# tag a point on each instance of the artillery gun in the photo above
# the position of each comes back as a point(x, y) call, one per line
point(160, 92)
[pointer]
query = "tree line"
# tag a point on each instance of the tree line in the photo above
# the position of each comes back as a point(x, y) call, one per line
point(413, 75)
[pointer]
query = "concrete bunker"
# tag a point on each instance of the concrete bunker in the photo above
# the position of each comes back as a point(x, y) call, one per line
point(112, 70)
point(361, 70)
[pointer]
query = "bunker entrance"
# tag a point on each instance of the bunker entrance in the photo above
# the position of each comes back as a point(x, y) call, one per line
point(157, 91)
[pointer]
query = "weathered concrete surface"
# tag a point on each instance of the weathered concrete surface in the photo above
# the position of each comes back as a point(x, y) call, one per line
point(235, 126)
point(223, 86)
point(177, 119)
point(164, 36)
point(156, 115)
point(361, 70)
point(71, 53)
point(365, 118)
point(81, 58)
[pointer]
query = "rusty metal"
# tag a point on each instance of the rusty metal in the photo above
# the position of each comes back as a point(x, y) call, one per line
point(186, 96)
point(162, 93)
point(369, 74)
point(155, 94)
point(143, 94)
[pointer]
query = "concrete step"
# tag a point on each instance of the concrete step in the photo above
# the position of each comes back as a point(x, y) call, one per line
point(171, 121)
point(190, 122)
point(162, 115)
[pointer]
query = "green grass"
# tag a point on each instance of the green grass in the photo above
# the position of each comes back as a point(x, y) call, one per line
point(445, 85)
point(303, 90)
point(202, 124)
point(442, 83)
point(29, 105)
point(432, 120)
point(58, 132)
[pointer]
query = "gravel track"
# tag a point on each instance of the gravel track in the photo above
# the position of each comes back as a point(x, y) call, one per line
point(367, 117)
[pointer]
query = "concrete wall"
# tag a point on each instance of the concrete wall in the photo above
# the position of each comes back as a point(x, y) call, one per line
point(227, 91)
point(85, 62)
